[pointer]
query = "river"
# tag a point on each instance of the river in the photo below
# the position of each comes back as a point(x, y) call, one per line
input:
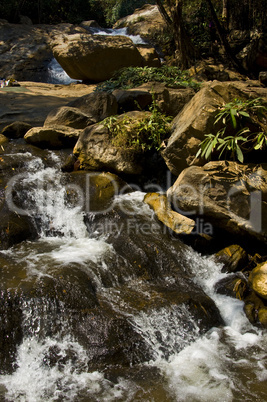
point(172, 357)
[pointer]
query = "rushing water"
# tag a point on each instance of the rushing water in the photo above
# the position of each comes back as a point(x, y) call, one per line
point(228, 363)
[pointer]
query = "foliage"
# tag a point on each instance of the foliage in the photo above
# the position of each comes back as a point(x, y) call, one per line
point(130, 77)
point(116, 9)
point(144, 135)
point(244, 125)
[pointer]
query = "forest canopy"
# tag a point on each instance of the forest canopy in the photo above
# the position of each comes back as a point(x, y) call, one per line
point(242, 15)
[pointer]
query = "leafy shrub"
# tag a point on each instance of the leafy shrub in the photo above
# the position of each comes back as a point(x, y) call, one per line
point(243, 130)
point(144, 135)
point(130, 77)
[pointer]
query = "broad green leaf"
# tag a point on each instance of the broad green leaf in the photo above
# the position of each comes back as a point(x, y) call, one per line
point(239, 154)
point(244, 113)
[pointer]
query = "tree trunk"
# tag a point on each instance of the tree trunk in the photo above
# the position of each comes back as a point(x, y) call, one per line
point(224, 41)
point(184, 49)
point(225, 13)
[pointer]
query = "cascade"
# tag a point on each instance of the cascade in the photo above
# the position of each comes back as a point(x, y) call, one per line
point(78, 264)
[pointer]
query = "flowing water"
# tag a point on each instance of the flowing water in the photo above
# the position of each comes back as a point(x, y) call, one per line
point(179, 362)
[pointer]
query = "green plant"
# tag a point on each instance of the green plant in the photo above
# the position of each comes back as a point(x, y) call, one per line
point(243, 130)
point(130, 77)
point(144, 135)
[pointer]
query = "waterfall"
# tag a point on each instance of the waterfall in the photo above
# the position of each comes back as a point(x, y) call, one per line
point(82, 260)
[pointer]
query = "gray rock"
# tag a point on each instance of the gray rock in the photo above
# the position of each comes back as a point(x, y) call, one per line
point(70, 117)
point(97, 105)
point(16, 130)
point(52, 137)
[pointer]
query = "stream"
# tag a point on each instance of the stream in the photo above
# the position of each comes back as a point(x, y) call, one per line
point(108, 306)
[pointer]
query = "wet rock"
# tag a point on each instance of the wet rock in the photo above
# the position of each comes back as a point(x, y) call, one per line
point(253, 305)
point(231, 196)
point(234, 258)
point(11, 333)
point(97, 190)
point(178, 223)
point(16, 130)
point(258, 280)
point(52, 137)
point(14, 228)
point(262, 315)
point(95, 57)
point(68, 116)
point(233, 285)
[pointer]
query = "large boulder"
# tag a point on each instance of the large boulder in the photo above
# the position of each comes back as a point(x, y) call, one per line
point(97, 105)
point(52, 137)
point(231, 196)
point(132, 99)
point(145, 21)
point(169, 100)
point(95, 57)
point(96, 151)
point(68, 116)
point(197, 119)
point(25, 50)
point(16, 130)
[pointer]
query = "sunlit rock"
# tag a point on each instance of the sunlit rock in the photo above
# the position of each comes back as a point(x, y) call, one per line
point(258, 280)
point(230, 195)
point(52, 137)
point(95, 57)
point(178, 223)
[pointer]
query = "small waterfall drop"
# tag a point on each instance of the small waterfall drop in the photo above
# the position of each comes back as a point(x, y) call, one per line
point(55, 285)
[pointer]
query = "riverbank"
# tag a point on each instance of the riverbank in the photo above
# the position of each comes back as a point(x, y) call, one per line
point(32, 101)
